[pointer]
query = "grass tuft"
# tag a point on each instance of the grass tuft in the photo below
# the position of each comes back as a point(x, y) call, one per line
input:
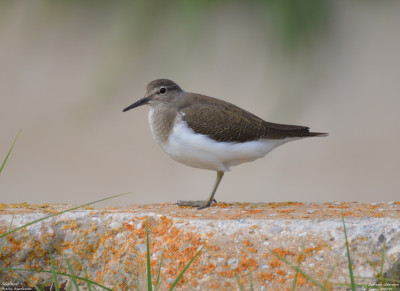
point(149, 283)
point(148, 267)
point(88, 281)
point(185, 269)
point(159, 270)
point(297, 269)
point(53, 270)
point(241, 287)
point(352, 282)
point(9, 152)
point(61, 212)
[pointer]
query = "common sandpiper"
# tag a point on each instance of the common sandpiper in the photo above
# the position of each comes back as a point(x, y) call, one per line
point(208, 133)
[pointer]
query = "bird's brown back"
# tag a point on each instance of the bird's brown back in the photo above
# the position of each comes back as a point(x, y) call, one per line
point(223, 121)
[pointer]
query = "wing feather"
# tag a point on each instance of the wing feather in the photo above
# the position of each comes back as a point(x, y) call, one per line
point(225, 122)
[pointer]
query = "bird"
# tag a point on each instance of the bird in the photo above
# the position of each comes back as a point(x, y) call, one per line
point(208, 133)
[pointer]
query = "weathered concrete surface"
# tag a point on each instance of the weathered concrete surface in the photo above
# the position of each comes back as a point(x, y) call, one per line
point(110, 244)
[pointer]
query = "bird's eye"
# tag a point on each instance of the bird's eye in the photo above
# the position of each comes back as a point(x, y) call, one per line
point(163, 90)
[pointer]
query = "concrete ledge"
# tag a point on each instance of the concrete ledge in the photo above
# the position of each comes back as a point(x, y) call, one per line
point(111, 243)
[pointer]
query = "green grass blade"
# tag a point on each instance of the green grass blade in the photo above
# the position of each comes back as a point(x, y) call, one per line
point(71, 270)
point(9, 152)
point(353, 284)
point(59, 213)
point(319, 284)
point(251, 280)
point(298, 268)
point(53, 270)
point(381, 276)
point(149, 283)
point(241, 288)
point(32, 283)
point(185, 269)
point(159, 269)
point(59, 274)
point(330, 274)
point(88, 281)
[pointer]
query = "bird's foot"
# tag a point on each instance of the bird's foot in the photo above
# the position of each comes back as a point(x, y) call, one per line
point(200, 204)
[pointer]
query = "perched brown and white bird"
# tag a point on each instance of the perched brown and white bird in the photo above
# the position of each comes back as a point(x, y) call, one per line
point(208, 133)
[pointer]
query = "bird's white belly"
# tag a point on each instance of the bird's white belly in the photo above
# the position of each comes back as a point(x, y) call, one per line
point(200, 151)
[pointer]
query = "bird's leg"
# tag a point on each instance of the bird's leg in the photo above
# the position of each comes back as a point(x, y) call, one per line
point(204, 204)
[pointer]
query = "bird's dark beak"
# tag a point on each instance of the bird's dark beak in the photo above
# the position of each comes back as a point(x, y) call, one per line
point(142, 101)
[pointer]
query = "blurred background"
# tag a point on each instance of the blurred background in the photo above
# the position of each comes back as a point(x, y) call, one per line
point(68, 68)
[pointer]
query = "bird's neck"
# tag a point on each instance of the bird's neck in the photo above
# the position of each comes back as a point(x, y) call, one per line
point(162, 120)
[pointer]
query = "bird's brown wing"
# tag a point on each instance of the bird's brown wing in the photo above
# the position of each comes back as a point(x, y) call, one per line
point(223, 121)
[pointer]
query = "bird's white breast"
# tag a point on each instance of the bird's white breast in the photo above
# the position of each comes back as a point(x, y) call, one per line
point(200, 151)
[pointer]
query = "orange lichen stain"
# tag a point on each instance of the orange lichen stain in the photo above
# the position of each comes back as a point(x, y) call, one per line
point(128, 226)
point(78, 266)
point(253, 250)
point(372, 206)
point(194, 283)
point(298, 204)
point(301, 280)
point(209, 268)
point(93, 227)
point(223, 205)
point(44, 205)
point(266, 276)
point(15, 245)
point(3, 229)
point(215, 285)
point(280, 272)
point(163, 227)
point(245, 263)
point(274, 263)
point(227, 273)
point(282, 253)
point(300, 258)
point(236, 216)
point(242, 281)
point(380, 214)
point(280, 204)
point(215, 248)
point(184, 207)
point(285, 211)
point(281, 280)
point(254, 226)
point(33, 279)
point(71, 225)
point(315, 249)
point(66, 245)
point(338, 206)
point(247, 243)
point(242, 204)
point(254, 211)
point(328, 285)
